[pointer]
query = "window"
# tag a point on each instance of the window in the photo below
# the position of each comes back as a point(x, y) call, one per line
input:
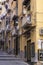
point(40, 51)
point(28, 7)
point(24, 10)
point(0, 7)
point(15, 19)
point(29, 17)
point(41, 45)
point(26, 2)
point(41, 31)
point(7, 20)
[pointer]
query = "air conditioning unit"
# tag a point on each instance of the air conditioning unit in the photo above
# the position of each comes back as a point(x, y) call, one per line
point(41, 31)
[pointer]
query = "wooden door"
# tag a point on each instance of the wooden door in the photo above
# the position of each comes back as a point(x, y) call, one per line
point(28, 50)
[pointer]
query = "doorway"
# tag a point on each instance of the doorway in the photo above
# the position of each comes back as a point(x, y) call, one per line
point(29, 50)
point(16, 45)
point(2, 45)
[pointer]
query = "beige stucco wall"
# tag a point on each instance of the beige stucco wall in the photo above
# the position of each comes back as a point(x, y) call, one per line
point(39, 24)
point(19, 7)
point(33, 12)
point(39, 18)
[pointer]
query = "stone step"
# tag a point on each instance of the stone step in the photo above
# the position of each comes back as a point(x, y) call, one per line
point(7, 55)
point(10, 58)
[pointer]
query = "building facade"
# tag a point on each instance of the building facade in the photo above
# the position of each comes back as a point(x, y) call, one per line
point(30, 31)
point(21, 29)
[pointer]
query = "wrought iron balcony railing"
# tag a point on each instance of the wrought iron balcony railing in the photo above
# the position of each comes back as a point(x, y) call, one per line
point(26, 21)
point(14, 33)
point(8, 28)
point(2, 29)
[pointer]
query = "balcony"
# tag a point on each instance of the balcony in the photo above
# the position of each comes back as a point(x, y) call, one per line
point(2, 29)
point(8, 28)
point(26, 22)
point(14, 33)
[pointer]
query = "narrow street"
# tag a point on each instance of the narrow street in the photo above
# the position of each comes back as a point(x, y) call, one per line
point(6, 59)
point(21, 32)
